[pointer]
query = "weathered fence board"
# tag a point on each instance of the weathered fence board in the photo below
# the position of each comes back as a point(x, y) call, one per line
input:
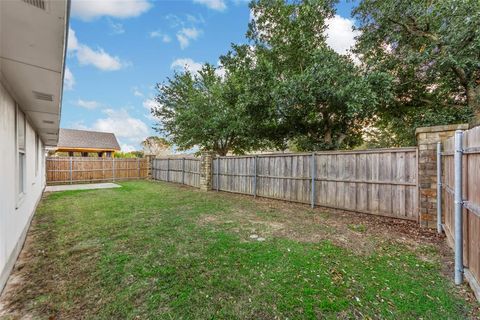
point(179, 170)
point(471, 198)
point(62, 170)
point(381, 182)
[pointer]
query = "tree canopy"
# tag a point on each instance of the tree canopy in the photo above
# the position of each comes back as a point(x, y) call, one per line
point(431, 51)
point(202, 110)
point(299, 91)
point(155, 145)
point(416, 63)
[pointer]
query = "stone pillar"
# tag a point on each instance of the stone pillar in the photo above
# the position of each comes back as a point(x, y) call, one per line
point(427, 138)
point(206, 171)
point(150, 158)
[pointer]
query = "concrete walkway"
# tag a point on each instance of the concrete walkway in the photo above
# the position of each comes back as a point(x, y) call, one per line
point(81, 187)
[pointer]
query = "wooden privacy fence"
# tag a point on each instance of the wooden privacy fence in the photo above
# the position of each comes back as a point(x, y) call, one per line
point(179, 170)
point(64, 170)
point(381, 182)
point(470, 200)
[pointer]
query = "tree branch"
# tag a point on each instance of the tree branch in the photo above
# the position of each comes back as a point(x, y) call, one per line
point(414, 30)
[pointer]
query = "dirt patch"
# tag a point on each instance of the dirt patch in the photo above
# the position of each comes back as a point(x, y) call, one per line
point(358, 232)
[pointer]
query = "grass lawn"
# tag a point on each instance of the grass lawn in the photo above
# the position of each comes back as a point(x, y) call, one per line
point(158, 250)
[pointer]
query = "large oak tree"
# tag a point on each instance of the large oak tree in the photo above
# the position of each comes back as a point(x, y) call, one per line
point(431, 51)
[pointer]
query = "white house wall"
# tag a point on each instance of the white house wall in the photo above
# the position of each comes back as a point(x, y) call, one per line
point(15, 216)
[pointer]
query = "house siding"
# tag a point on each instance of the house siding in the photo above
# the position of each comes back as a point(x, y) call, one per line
point(15, 216)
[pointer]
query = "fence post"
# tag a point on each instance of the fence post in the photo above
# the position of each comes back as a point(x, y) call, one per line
point(217, 174)
point(312, 170)
point(255, 176)
point(103, 170)
point(138, 167)
point(206, 174)
point(113, 169)
point(168, 169)
point(183, 170)
point(458, 208)
point(71, 170)
point(439, 187)
point(154, 169)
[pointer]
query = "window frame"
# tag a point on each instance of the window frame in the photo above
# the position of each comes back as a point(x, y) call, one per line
point(37, 154)
point(20, 192)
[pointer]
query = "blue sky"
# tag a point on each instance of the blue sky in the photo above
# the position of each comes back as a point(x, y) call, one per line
point(119, 49)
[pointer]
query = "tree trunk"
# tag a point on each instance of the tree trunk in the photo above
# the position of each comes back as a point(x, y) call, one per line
point(328, 136)
point(473, 97)
point(222, 152)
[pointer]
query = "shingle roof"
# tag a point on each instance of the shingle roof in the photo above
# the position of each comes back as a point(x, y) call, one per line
point(70, 138)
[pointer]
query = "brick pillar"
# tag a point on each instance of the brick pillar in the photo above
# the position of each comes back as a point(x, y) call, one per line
point(206, 171)
point(427, 138)
point(150, 158)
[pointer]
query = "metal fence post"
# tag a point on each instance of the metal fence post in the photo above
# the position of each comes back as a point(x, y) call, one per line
point(255, 176)
point(458, 208)
point(183, 170)
point(217, 174)
point(71, 170)
point(439, 187)
point(312, 170)
point(168, 169)
point(113, 169)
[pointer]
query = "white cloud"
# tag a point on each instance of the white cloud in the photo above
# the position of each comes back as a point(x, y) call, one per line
point(137, 92)
point(88, 10)
point(186, 64)
point(220, 70)
point(79, 125)
point(159, 34)
point(117, 28)
point(149, 104)
point(68, 79)
point(126, 128)
point(218, 5)
point(72, 40)
point(87, 104)
point(130, 131)
point(340, 34)
point(98, 58)
point(127, 147)
point(198, 19)
point(88, 56)
point(184, 36)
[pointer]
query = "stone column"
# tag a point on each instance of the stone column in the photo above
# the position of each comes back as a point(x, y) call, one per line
point(150, 158)
point(206, 171)
point(427, 138)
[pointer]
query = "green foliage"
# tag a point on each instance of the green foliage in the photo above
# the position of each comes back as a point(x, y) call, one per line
point(299, 91)
point(287, 88)
point(132, 154)
point(431, 51)
point(203, 110)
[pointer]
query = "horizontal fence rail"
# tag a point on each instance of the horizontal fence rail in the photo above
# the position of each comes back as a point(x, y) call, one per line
point(179, 170)
point(382, 182)
point(69, 170)
point(470, 200)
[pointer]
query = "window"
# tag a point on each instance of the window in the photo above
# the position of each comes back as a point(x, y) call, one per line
point(20, 125)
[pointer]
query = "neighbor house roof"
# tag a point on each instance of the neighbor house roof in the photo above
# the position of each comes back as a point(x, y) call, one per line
point(70, 138)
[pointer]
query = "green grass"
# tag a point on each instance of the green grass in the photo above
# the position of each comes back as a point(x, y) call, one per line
point(161, 251)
